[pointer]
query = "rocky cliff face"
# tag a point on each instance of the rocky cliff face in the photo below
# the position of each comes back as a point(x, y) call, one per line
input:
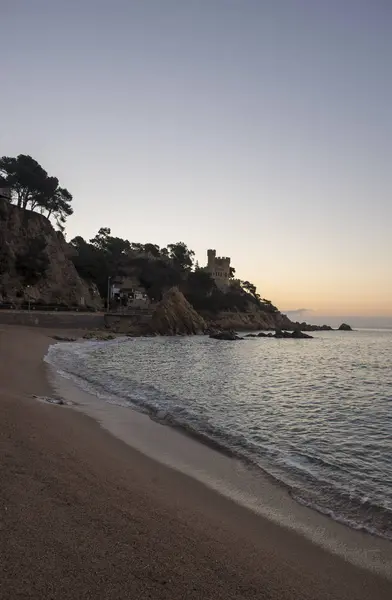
point(35, 264)
point(248, 321)
point(175, 316)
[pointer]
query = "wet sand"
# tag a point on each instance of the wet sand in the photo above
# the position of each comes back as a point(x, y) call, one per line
point(84, 515)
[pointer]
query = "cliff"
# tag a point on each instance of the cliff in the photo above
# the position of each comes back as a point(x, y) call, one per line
point(253, 320)
point(175, 316)
point(35, 263)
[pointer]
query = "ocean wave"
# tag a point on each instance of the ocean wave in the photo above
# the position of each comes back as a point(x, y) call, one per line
point(379, 524)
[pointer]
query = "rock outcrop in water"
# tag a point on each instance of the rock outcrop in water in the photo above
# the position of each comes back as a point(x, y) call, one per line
point(279, 334)
point(224, 335)
point(297, 334)
point(175, 316)
point(345, 327)
point(35, 263)
point(306, 327)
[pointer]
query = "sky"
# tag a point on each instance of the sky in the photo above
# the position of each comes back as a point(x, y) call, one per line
point(260, 128)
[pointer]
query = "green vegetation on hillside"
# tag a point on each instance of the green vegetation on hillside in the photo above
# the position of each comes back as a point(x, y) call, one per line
point(106, 257)
point(159, 269)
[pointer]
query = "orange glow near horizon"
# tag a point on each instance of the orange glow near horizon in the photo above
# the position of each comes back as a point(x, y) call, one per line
point(329, 300)
point(333, 289)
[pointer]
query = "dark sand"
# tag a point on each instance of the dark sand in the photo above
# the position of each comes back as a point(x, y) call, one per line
point(83, 515)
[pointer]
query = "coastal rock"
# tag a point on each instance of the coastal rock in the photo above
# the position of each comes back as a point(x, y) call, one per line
point(60, 338)
point(296, 334)
point(279, 334)
point(225, 335)
point(254, 320)
point(175, 316)
point(307, 327)
point(36, 263)
point(345, 327)
point(99, 336)
point(49, 400)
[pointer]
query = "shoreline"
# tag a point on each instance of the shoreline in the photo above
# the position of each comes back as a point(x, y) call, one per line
point(140, 526)
point(251, 487)
point(79, 386)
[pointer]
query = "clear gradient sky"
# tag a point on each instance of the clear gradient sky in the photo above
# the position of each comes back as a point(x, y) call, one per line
point(261, 128)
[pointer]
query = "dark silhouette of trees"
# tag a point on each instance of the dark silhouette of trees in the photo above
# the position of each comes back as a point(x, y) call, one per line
point(201, 280)
point(250, 288)
point(90, 263)
point(157, 276)
point(115, 248)
point(25, 176)
point(103, 257)
point(267, 306)
point(152, 249)
point(32, 188)
point(54, 201)
point(157, 269)
point(181, 256)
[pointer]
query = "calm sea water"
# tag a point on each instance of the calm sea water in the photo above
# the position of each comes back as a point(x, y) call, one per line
point(315, 414)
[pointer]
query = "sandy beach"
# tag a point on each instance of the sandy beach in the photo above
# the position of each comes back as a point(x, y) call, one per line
point(84, 515)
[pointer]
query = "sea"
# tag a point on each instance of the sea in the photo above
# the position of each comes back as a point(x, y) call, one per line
point(315, 415)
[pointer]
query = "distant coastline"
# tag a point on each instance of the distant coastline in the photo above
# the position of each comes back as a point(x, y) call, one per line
point(356, 321)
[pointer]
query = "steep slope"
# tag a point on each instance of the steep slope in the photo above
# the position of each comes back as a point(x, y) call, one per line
point(35, 264)
point(248, 321)
point(175, 316)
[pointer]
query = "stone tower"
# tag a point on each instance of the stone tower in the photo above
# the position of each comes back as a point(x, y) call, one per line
point(219, 269)
point(211, 255)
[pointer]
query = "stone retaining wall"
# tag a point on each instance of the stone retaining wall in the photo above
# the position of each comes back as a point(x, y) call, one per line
point(124, 323)
point(61, 320)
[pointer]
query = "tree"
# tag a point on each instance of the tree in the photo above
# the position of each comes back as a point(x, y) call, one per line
point(200, 282)
point(251, 291)
point(31, 187)
point(156, 276)
point(113, 252)
point(55, 200)
point(116, 248)
point(231, 272)
point(199, 288)
point(152, 249)
point(137, 248)
point(25, 176)
point(100, 241)
point(181, 256)
point(250, 288)
point(87, 259)
point(91, 263)
point(268, 306)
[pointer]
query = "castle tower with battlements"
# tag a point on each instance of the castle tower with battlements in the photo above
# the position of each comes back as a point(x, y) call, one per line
point(219, 269)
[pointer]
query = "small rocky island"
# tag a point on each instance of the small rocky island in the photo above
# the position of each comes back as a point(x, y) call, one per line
point(230, 335)
point(344, 327)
